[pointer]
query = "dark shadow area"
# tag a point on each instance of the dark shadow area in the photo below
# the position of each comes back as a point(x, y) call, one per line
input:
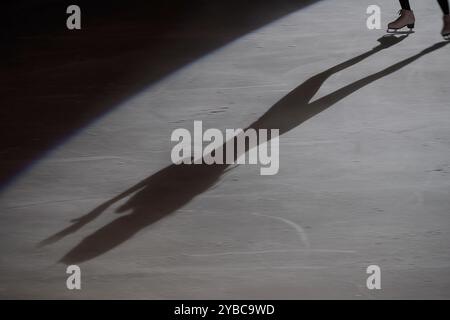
point(174, 186)
point(54, 81)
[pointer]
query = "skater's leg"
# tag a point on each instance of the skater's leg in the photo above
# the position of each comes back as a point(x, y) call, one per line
point(444, 6)
point(445, 10)
point(446, 28)
point(405, 5)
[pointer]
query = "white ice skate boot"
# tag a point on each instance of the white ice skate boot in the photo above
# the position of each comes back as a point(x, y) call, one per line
point(406, 19)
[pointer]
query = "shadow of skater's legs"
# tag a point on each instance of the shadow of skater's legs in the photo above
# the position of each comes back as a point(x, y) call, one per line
point(173, 187)
point(164, 193)
point(302, 95)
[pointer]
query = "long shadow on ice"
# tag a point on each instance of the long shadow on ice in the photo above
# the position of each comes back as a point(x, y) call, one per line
point(176, 185)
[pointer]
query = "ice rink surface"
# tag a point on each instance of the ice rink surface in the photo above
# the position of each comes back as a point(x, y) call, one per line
point(364, 179)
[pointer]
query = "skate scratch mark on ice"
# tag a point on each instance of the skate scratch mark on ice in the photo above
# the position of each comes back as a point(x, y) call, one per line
point(251, 87)
point(34, 204)
point(232, 88)
point(217, 269)
point(301, 233)
point(98, 158)
point(268, 251)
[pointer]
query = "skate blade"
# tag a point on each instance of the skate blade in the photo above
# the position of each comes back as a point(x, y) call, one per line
point(400, 31)
point(446, 37)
